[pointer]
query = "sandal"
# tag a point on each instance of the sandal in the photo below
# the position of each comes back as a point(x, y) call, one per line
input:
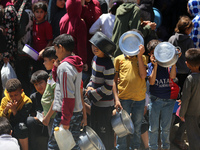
point(181, 144)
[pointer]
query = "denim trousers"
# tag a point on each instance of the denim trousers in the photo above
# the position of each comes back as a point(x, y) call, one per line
point(160, 114)
point(136, 109)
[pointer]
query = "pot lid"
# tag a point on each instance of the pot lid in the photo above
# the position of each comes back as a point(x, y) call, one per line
point(129, 43)
point(164, 52)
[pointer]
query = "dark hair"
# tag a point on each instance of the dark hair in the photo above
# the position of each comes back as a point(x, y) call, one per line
point(5, 126)
point(184, 23)
point(192, 56)
point(13, 85)
point(38, 76)
point(50, 53)
point(138, 31)
point(115, 5)
point(66, 41)
point(152, 44)
point(40, 5)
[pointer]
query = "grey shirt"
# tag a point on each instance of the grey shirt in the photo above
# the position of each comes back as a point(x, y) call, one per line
point(191, 96)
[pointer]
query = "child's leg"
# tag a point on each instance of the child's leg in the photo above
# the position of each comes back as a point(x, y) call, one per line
point(193, 131)
point(24, 143)
point(75, 125)
point(154, 114)
point(165, 121)
point(101, 123)
point(137, 110)
point(52, 144)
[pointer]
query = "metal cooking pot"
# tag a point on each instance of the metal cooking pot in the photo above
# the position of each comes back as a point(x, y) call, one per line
point(129, 43)
point(166, 54)
point(89, 140)
point(122, 124)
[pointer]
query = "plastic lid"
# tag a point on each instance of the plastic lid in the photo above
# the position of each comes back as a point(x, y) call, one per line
point(56, 128)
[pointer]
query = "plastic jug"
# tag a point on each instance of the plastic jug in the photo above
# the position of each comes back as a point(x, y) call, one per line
point(64, 138)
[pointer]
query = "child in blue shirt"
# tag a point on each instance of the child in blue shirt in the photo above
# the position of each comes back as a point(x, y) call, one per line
point(163, 93)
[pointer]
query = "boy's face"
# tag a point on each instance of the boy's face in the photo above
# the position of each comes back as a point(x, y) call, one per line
point(16, 95)
point(60, 3)
point(97, 51)
point(40, 15)
point(151, 53)
point(40, 86)
point(48, 63)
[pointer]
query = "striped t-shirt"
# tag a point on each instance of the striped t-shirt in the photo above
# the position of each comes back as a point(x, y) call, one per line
point(102, 81)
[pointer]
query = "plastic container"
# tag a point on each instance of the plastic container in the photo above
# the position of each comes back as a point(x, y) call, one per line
point(64, 138)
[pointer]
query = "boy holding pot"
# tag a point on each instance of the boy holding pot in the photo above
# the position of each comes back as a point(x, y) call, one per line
point(131, 85)
point(99, 89)
point(163, 93)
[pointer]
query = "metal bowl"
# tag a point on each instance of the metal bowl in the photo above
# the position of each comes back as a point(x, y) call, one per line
point(129, 43)
point(166, 54)
point(122, 124)
point(89, 140)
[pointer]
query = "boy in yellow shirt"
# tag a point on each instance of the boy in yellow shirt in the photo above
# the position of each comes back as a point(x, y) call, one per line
point(16, 106)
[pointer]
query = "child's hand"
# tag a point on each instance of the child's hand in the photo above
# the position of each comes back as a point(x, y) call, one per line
point(152, 25)
point(182, 119)
point(56, 63)
point(153, 60)
point(118, 105)
point(179, 52)
point(179, 102)
point(84, 122)
point(13, 106)
point(142, 50)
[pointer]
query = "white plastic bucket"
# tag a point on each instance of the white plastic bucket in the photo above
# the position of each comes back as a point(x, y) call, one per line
point(30, 51)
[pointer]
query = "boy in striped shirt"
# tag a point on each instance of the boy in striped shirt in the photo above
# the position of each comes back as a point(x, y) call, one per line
point(99, 89)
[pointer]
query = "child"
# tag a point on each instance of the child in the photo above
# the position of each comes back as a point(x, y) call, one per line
point(131, 71)
point(16, 106)
point(49, 56)
point(163, 93)
point(190, 105)
point(38, 133)
point(6, 140)
point(67, 96)
point(42, 31)
point(182, 40)
point(99, 89)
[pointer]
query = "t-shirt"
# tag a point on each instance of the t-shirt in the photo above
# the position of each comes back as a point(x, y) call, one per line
point(130, 86)
point(164, 86)
point(42, 33)
point(48, 96)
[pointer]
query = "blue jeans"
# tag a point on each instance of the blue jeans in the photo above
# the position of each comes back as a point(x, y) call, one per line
point(136, 108)
point(160, 113)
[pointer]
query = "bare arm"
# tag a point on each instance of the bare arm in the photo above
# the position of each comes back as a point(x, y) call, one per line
point(48, 115)
point(152, 77)
point(173, 72)
point(118, 105)
point(142, 67)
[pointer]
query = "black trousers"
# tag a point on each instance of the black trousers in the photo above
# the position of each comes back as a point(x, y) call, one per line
point(101, 124)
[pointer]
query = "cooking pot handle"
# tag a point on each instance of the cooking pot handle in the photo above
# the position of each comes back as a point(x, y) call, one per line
point(83, 128)
point(178, 50)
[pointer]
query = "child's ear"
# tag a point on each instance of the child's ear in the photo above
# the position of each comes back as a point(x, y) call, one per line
point(22, 90)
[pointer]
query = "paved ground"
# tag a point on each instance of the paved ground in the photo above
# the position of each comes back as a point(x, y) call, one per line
point(172, 135)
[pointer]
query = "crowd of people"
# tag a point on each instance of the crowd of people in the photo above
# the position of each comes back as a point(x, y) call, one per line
point(83, 78)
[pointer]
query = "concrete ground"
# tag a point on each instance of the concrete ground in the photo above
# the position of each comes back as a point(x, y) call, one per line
point(172, 135)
